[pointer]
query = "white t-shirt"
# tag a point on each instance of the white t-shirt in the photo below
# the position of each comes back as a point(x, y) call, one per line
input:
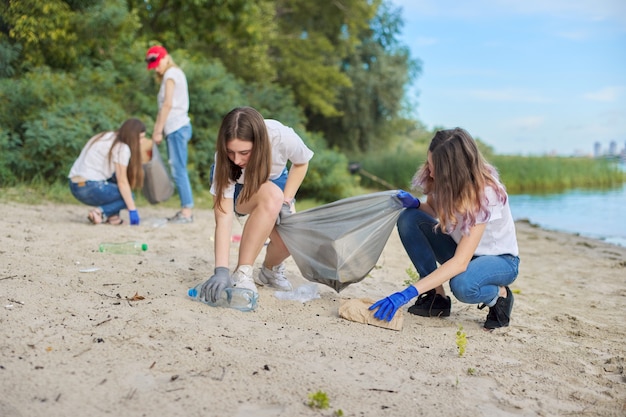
point(178, 115)
point(499, 237)
point(93, 161)
point(286, 146)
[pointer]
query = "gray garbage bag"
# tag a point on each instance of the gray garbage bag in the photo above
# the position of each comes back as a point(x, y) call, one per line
point(157, 183)
point(339, 243)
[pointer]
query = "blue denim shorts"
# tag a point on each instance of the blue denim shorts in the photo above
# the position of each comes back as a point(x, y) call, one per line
point(280, 181)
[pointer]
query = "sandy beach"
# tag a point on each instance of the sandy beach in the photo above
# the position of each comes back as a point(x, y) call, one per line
point(84, 333)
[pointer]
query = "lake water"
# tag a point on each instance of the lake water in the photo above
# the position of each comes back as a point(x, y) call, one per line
point(592, 213)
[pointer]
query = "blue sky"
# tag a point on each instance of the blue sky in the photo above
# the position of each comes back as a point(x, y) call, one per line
point(527, 77)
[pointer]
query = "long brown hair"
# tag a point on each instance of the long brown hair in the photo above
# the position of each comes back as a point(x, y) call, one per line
point(129, 133)
point(247, 124)
point(460, 177)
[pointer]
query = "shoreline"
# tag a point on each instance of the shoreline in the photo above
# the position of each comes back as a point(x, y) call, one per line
point(615, 240)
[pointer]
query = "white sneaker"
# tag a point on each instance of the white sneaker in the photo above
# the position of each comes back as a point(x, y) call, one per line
point(242, 278)
point(274, 277)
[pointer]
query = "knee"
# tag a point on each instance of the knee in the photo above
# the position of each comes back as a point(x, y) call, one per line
point(407, 222)
point(271, 197)
point(463, 291)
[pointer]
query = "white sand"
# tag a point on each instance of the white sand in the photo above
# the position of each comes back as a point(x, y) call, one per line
point(73, 343)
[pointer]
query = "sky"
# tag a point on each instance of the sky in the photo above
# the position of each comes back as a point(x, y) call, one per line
point(527, 77)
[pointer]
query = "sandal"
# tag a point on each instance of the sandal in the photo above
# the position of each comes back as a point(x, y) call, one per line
point(95, 216)
point(114, 220)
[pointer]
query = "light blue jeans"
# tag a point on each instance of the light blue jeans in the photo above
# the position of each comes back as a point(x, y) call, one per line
point(177, 154)
point(102, 194)
point(484, 275)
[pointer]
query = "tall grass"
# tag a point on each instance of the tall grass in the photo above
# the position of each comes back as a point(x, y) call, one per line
point(520, 174)
point(554, 174)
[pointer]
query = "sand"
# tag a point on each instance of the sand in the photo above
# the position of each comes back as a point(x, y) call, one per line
point(84, 333)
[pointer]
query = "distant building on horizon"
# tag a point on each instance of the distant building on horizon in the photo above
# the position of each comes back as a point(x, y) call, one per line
point(611, 152)
point(597, 149)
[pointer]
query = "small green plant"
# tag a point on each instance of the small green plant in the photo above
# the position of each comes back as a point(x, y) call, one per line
point(471, 371)
point(339, 413)
point(461, 340)
point(413, 276)
point(319, 400)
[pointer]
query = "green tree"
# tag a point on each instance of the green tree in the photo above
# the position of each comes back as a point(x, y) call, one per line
point(313, 39)
point(380, 70)
point(237, 32)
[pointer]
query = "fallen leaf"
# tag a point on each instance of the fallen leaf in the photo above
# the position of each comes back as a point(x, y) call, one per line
point(137, 297)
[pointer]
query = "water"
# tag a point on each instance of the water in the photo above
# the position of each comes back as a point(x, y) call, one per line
point(599, 214)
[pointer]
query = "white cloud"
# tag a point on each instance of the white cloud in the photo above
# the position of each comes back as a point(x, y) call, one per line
point(607, 94)
point(594, 10)
point(507, 95)
point(574, 36)
point(424, 41)
point(527, 123)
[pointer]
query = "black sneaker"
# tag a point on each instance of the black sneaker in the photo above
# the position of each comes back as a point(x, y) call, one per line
point(431, 304)
point(500, 314)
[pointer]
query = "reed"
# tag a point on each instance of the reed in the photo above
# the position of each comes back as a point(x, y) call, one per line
point(553, 174)
point(520, 174)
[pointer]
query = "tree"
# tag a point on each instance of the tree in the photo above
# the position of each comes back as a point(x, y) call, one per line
point(380, 70)
point(313, 39)
point(237, 32)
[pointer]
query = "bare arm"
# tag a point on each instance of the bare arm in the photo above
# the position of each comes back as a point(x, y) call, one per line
point(223, 230)
point(458, 263)
point(428, 206)
point(124, 186)
point(297, 172)
point(164, 111)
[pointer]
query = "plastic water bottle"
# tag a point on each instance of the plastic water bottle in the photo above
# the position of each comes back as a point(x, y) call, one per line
point(241, 299)
point(123, 247)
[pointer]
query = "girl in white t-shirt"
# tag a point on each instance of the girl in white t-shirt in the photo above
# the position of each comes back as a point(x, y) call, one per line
point(465, 226)
point(108, 168)
point(173, 121)
point(250, 177)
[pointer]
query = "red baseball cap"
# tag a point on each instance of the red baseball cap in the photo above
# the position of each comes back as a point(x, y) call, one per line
point(154, 56)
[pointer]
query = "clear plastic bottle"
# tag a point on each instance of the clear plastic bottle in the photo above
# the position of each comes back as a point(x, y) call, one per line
point(123, 247)
point(241, 299)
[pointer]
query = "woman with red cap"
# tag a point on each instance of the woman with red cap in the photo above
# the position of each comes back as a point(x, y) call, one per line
point(173, 122)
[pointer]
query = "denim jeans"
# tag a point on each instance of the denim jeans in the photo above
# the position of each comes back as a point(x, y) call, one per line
point(479, 283)
point(102, 194)
point(177, 154)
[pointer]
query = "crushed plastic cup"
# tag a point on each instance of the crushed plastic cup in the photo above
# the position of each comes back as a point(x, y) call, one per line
point(303, 293)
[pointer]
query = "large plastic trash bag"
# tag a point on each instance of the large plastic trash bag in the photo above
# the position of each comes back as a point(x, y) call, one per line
point(339, 243)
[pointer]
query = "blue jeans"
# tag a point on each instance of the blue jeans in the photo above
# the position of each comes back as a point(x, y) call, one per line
point(479, 283)
point(177, 154)
point(102, 194)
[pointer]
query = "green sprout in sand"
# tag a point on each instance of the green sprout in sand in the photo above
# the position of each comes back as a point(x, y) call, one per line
point(319, 400)
point(461, 340)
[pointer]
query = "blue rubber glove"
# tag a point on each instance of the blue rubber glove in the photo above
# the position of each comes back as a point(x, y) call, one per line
point(213, 287)
point(134, 217)
point(388, 306)
point(407, 200)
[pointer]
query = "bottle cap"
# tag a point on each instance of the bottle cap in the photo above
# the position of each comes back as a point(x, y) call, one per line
point(144, 247)
point(192, 292)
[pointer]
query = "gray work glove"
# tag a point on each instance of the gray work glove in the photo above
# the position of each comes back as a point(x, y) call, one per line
point(212, 289)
